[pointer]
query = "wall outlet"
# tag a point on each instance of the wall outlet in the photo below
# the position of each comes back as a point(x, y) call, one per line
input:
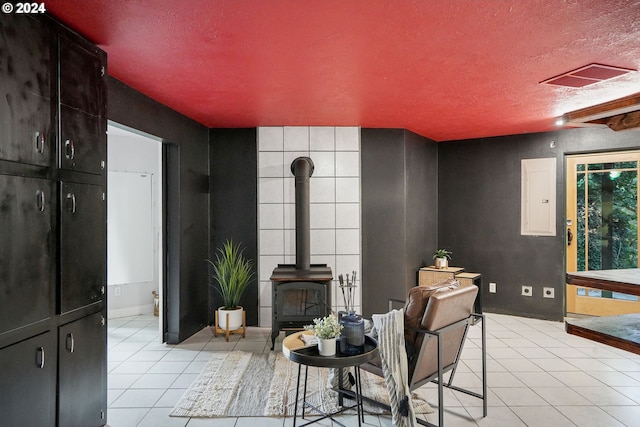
point(117, 291)
point(548, 292)
point(492, 288)
point(527, 291)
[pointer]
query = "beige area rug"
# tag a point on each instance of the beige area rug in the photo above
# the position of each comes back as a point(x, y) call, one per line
point(242, 384)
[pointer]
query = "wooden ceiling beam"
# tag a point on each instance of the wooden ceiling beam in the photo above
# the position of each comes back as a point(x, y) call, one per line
point(619, 114)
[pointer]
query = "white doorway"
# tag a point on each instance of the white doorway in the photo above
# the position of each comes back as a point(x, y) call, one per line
point(134, 222)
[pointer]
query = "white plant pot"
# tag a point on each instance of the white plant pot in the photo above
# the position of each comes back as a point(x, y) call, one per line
point(327, 347)
point(235, 318)
point(442, 263)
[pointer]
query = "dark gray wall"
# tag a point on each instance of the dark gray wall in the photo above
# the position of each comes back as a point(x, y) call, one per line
point(187, 308)
point(479, 214)
point(399, 212)
point(234, 203)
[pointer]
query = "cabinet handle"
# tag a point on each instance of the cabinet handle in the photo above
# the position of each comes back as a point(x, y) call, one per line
point(40, 140)
point(69, 149)
point(40, 202)
point(71, 203)
point(40, 357)
point(70, 343)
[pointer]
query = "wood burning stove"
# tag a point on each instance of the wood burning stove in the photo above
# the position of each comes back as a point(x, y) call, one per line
point(300, 292)
point(299, 296)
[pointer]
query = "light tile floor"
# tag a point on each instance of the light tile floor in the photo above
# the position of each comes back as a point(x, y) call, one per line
point(537, 376)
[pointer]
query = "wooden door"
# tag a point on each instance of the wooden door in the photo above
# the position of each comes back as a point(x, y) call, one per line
point(82, 245)
point(602, 227)
point(82, 360)
point(82, 107)
point(26, 284)
point(26, 132)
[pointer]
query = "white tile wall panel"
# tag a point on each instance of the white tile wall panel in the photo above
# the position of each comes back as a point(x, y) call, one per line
point(270, 190)
point(322, 190)
point(322, 138)
point(271, 138)
point(323, 242)
point(296, 138)
point(348, 242)
point(323, 215)
point(270, 164)
point(347, 139)
point(271, 216)
point(347, 215)
point(271, 242)
point(335, 202)
point(348, 163)
point(324, 163)
point(347, 190)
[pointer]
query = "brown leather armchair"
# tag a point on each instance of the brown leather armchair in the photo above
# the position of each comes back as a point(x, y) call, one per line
point(437, 319)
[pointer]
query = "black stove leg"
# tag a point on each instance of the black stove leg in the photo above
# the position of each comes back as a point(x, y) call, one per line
point(274, 335)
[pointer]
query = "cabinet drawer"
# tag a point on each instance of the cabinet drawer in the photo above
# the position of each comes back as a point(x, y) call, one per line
point(26, 260)
point(28, 382)
point(82, 245)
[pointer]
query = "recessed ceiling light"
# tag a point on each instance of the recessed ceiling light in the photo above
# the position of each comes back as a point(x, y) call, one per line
point(587, 75)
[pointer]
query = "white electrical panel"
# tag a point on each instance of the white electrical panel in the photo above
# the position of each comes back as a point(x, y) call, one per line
point(538, 197)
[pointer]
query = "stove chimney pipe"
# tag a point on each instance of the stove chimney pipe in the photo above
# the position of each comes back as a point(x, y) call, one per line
point(302, 169)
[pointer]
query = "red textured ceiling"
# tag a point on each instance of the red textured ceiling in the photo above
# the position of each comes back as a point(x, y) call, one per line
point(447, 70)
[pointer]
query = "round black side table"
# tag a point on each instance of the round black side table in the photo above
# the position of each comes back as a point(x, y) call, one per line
point(295, 350)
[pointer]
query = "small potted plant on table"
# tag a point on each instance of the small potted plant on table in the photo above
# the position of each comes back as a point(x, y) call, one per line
point(327, 329)
point(442, 257)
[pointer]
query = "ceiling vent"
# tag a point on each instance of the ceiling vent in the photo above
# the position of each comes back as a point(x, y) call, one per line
point(587, 75)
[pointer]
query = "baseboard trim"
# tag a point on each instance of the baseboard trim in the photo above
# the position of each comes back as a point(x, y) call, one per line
point(130, 311)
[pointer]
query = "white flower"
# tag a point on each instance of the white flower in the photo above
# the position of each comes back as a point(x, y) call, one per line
point(326, 327)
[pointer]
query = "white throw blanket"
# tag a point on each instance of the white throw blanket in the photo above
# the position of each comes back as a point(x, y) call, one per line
point(390, 328)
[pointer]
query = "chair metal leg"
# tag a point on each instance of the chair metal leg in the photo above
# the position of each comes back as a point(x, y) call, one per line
point(440, 383)
point(484, 369)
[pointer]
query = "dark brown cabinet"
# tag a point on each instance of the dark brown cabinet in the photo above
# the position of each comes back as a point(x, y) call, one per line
point(82, 257)
point(82, 384)
point(82, 107)
point(26, 252)
point(52, 225)
point(26, 84)
point(28, 381)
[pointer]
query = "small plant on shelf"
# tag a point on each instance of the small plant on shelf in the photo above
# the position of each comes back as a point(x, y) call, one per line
point(442, 257)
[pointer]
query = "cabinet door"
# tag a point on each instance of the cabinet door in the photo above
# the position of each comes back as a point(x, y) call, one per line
point(25, 89)
point(82, 108)
point(28, 382)
point(82, 245)
point(25, 252)
point(82, 376)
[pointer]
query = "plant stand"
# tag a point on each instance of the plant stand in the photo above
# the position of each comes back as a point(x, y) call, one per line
point(242, 329)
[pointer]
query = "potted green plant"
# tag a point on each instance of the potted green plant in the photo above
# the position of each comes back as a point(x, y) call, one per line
point(232, 273)
point(442, 257)
point(327, 329)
